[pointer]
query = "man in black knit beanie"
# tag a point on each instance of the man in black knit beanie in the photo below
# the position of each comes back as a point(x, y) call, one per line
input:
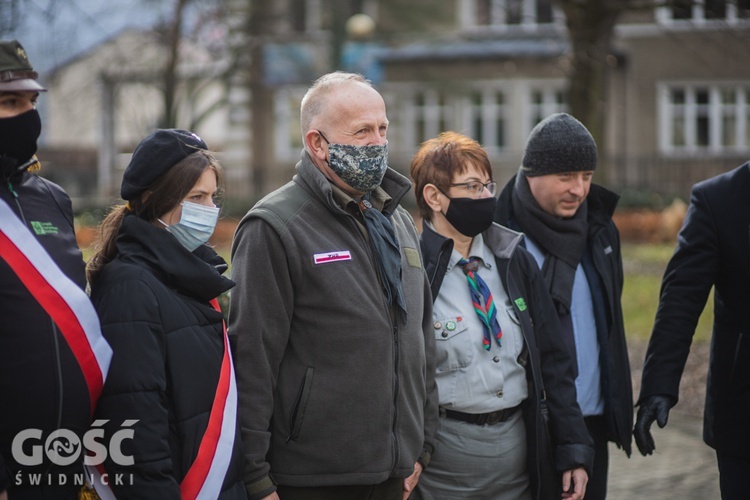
point(568, 229)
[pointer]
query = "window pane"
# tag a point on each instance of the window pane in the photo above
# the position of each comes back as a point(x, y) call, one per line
point(500, 139)
point(701, 131)
point(678, 131)
point(297, 15)
point(743, 9)
point(477, 132)
point(442, 111)
point(514, 12)
point(701, 96)
point(678, 96)
point(420, 131)
point(682, 9)
point(728, 96)
point(728, 137)
point(544, 11)
point(715, 9)
point(537, 97)
point(477, 125)
point(484, 12)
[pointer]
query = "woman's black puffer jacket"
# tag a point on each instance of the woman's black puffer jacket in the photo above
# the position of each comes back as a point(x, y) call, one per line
point(153, 301)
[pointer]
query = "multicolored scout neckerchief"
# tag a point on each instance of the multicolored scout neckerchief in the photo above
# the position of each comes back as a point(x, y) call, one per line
point(205, 477)
point(481, 298)
point(67, 305)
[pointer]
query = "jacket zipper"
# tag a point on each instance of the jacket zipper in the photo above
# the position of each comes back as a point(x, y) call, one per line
point(394, 329)
point(737, 348)
point(535, 375)
point(618, 425)
point(437, 267)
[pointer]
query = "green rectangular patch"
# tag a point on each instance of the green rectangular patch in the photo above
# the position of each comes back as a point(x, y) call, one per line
point(413, 257)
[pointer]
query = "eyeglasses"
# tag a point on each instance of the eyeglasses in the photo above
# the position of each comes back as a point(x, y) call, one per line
point(475, 188)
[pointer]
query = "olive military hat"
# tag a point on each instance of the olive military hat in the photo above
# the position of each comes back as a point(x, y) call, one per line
point(16, 72)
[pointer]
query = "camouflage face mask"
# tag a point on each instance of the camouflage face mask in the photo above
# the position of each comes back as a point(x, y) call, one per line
point(360, 167)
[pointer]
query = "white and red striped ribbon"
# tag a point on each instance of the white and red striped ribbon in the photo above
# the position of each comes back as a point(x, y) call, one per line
point(68, 305)
point(206, 475)
point(95, 476)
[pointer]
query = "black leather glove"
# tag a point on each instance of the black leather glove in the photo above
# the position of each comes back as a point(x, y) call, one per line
point(652, 408)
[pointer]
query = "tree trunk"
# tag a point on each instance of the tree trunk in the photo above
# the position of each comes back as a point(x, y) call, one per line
point(174, 36)
point(590, 29)
point(260, 28)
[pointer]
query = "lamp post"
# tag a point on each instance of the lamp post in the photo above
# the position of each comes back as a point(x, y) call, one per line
point(358, 51)
point(359, 27)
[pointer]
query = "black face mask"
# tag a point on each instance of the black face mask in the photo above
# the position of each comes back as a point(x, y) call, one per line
point(18, 135)
point(471, 216)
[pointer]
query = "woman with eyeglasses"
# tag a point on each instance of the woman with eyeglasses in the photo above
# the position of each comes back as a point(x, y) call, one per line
point(170, 399)
point(501, 364)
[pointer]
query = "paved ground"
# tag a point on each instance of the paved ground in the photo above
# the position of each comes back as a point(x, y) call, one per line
point(681, 468)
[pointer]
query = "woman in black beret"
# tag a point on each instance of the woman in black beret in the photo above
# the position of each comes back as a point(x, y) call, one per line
point(169, 405)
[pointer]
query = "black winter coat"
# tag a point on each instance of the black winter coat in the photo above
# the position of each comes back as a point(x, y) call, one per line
point(41, 383)
point(713, 249)
point(604, 246)
point(549, 369)
point(153, 301)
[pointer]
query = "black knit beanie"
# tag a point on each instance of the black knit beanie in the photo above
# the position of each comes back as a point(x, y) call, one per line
point(558, 144)
point(156, 154)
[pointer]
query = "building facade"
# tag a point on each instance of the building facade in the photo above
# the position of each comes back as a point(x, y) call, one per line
point(677, 101)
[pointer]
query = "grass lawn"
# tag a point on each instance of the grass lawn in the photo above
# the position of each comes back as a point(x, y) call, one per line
point(644, 266)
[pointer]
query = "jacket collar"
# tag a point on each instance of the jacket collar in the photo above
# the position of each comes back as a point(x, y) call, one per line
point(197, 274)
point(601, 204)
point(436, 253)
point(437, 250)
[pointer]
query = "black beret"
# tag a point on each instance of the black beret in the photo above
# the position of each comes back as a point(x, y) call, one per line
point(154, 156)
point(558, 144)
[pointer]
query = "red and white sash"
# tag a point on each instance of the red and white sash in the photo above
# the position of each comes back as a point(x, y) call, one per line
point(68, 305)
point(205, 477)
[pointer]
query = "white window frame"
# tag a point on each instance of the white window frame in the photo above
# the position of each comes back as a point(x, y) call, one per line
point(517, 111)
point(667, 112)
point(457, 112)
point(698, 16)
point(489, 113)
point(549, 90)
point(467, 15)
point(431, 112)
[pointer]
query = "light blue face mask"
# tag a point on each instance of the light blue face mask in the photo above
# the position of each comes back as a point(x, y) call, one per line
point(197, 224)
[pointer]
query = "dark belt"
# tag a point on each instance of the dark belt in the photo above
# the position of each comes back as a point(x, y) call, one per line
point(490, 418)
